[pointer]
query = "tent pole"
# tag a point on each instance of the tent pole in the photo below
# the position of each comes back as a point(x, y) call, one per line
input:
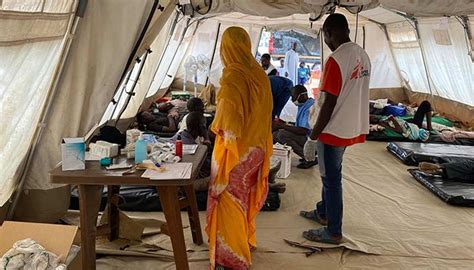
point(258, 44)
point(418, 38)
point(384, 28)
point(131, 92)
point(213, 52)
point(170, 34)
point(468, 33)
point(137, 44)
point(124, 87)
point(176, 51)
point(363, 37)
point(321, 48)
point(45, 112)
point(423, 56)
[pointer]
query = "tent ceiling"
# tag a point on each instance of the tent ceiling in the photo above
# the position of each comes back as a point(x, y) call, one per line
point(431, 8)
point(292, 20)
point(382, 15)
point(284, 8)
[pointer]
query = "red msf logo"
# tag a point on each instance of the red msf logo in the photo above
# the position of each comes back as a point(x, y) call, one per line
point(358, 71)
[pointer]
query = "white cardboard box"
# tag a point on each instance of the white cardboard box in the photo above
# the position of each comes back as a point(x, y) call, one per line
point(73, 152)
point(283, 153)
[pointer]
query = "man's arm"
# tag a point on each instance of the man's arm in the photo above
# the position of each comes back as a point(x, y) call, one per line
point(324, 115)
point(172, 125)
point(285, 61)
point(292, 129)
point(296, 130)
point(395, 125)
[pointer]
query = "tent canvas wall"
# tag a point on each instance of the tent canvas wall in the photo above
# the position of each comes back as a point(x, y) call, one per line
point(428, 56)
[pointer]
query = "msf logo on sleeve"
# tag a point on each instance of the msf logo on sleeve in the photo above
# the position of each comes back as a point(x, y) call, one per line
point(359, 71)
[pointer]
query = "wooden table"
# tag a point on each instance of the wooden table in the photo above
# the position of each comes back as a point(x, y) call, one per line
point(91, 182)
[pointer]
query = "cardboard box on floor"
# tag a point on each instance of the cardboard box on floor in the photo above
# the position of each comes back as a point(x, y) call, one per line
point(54, 238)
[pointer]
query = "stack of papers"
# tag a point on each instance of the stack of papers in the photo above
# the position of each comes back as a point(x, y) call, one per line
point(173, 171)
point(189, 149)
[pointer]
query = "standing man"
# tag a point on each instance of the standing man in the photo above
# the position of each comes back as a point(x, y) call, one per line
point(267, 66)
point(292, 60)
point(291, 64)
point(343, 120)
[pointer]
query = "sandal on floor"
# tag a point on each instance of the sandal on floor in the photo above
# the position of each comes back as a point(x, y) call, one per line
point(321, 235)
point(314, 216)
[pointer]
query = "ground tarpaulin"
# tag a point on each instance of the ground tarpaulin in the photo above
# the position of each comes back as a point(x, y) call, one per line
point(389, 218)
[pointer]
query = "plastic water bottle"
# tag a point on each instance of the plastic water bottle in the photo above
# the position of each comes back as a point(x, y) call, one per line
point(179, 147)
point(140, 150)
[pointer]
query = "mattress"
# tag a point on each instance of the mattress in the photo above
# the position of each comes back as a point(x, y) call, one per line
point(147, 199)
point(451, 192)
point(412, 153)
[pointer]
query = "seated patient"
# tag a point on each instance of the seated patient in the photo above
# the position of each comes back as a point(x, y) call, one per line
point(296, 136)
point(195, 132)
point(462, 171)
point(281, 93)
point(193, 105)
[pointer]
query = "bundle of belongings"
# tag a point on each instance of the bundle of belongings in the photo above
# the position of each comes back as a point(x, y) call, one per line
point(28, 255)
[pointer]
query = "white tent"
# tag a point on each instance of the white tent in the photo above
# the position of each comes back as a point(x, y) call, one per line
point(62, 62)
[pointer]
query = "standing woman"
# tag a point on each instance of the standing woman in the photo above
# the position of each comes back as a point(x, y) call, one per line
point(241, 157)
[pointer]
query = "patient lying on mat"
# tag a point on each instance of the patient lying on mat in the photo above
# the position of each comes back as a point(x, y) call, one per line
point(462, 171)
point(411, 128)
point(157, 123)
point(162, 117)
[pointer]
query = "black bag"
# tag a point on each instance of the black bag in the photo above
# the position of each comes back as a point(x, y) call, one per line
point(272, 203)
point(110, 134)
point(146, 199)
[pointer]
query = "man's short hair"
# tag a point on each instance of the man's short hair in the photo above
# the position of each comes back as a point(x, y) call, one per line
point(266, 56)
point(298, 89)
point(336, 22)
point(195, 105)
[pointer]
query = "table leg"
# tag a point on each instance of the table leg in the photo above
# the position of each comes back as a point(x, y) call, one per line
point(193, 214)
point(89, 205)
point(113, 211)
point(170, 204)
